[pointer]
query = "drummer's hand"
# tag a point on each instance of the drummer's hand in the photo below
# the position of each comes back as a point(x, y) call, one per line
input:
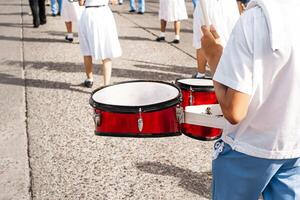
point(211, 45)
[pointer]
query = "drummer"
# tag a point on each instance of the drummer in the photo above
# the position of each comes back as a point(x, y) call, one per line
point(98, 38)
point(71, 13)
point(223, 14)
point(256, 79)
point(171, 11)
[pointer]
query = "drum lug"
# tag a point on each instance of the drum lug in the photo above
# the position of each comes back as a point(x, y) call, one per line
point(140, 121)
point(179, 114)
point(97, 119)
point(191, 99)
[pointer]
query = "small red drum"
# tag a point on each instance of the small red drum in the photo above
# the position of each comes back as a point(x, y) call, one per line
point(198, 92)
point(136, 109)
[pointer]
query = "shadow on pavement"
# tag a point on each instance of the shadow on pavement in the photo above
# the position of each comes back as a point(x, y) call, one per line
point(44, 40)
point(197, 183)
point(16, 25)
point(37, 83)
point(134, 38)
point(168, 29)
point(59, 33)
point(116, 72)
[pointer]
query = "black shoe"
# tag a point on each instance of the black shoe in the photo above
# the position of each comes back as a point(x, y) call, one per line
point(58, 14)
point(53, 15)
point(69, 39)
point(158, 39)
point(43, 22)
point(88, 83)
point(36, 25)
point(175, 41)
point(120, 3)
point(140, 13)
point(132, 11)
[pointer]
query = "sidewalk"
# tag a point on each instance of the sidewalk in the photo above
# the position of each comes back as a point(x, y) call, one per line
point(67, 160)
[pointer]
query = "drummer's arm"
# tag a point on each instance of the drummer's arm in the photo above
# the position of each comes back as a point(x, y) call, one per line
point(81, 2)
point(234, 104)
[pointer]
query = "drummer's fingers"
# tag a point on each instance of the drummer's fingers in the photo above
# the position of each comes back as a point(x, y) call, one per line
point(214, 32)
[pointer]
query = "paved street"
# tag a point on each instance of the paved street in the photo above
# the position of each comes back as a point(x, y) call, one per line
point(48, 149)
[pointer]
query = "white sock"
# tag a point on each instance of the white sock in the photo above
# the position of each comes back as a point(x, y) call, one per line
point(162, 34)
point(177, 37)
point(90, 79)
point(70, 35)
point(200, 75)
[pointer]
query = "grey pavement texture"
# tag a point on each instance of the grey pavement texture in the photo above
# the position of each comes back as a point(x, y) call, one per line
point(44, 105)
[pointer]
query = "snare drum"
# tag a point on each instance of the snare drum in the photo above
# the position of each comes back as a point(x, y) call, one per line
point(198, 92)
point(136, 109)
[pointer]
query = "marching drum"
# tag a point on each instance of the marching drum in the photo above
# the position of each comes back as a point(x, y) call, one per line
point(136, 109)
point(198, 92)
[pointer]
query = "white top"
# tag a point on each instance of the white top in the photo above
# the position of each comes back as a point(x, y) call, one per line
point(95, 2)
point(271, 128)
point(223, 14)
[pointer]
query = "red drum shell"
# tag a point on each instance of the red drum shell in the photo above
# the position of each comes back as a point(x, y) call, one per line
point(158, 120)
point(201, 95)
point(155, 124)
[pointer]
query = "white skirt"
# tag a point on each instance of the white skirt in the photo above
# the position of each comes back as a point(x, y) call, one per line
point(223, 14)
point(98, 34)
point(71, 12)
point(172, 10)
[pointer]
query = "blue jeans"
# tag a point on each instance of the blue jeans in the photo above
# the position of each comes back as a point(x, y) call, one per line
point(54, 9)
point(141, 5)
point(239, 176)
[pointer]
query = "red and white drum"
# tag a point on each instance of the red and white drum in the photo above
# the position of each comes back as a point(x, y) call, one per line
point(198, 92)
point(136, 109)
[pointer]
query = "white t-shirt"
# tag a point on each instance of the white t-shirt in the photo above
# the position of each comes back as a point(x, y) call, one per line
point(271, 128)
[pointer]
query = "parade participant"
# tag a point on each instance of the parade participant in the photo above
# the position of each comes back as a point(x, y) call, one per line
point(98, 38)
point(171, 11)
point(256, 80)
point(223, 14)
point(38, 10)
point(71, 13)
point(56, 9)
point(141, 6)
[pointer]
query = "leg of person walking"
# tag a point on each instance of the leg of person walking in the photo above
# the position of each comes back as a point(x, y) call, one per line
point(201, 64)
point(69, 36)
point(42, 11)
point(141, 4)
point(53, 8)
point(35, 12)
point(132, 6)
point(177, 32)
point(59, 2)
point(88, 63)
point(162, 35)
point(107, 68)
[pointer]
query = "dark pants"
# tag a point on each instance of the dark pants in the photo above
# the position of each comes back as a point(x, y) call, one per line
point(38, 10)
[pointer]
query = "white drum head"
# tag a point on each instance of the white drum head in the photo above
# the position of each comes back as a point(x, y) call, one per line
point(136, 94)
point(196, 82)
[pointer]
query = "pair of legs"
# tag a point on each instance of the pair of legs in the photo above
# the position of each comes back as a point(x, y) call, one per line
point(141, 5)
point(238, 176)
point(201, 63)
point(163, 25)
point(107, 67)
point(56, 9)
point(38, 10)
